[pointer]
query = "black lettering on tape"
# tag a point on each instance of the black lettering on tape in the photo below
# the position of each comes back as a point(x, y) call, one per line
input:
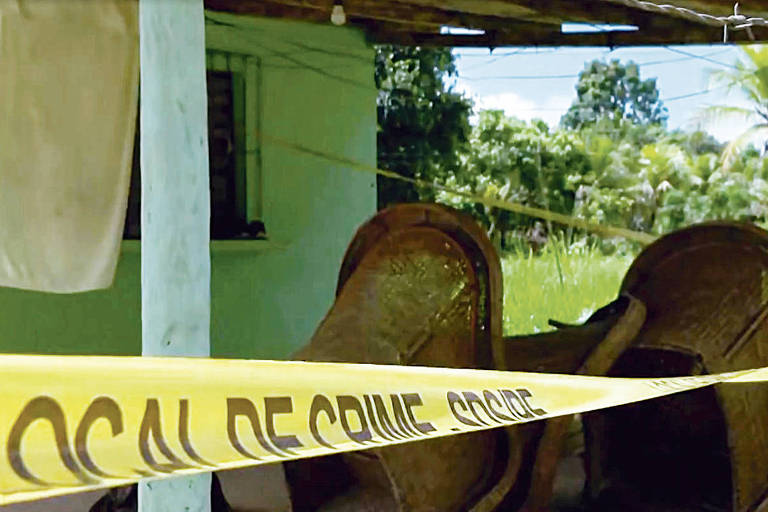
point(46, 408)
point(279, 405)
point(244, 407)
point(186, 443)
point(412, 400)
point(400, 418)
point(101, 407)
point(490, 399)
point(383, 417)
point(472, 399)
point(350, 403)
point(151, 425)
point(511, 398)
point(372, 418)
point(453, 400)
point(524, 396)
point(320, 403)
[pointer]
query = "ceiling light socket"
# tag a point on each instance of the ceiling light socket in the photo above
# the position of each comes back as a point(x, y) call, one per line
point(338, 16)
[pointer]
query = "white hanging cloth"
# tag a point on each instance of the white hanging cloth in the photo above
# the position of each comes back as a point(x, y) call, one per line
point(68, 99)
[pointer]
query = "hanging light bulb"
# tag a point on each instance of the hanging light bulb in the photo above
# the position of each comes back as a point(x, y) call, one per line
point(338, 17)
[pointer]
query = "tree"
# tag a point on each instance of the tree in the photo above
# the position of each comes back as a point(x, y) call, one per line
point(750, 76)
point(518, 161)
point(612, 92)
point(423, 125)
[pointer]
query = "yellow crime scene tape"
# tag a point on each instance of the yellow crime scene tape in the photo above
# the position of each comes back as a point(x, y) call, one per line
point(72, 423)
point(530, 211)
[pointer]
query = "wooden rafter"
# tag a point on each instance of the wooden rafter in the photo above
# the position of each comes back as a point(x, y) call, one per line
point(384, 11)
point(539, 37)
point(505, 22)
point(267, 9)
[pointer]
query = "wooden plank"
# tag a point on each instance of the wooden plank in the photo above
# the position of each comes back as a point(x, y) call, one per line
point(394, 18)
point(217, 61)
point(393, 12)
point(237, 67)
point(459, 13)
point(268, 9)
point(717, 7)
point(175, 208)
point(253, 182)
point(547, 11)
point(536, 35)
point(588, 11)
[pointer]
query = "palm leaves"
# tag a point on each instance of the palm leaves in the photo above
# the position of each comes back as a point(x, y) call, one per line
point(750, 77)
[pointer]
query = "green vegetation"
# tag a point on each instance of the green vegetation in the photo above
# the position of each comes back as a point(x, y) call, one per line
point(637, 177)
point(612, 161)
point(534, 292)
point(750, 76)
point(423, 126)
point(612, 90)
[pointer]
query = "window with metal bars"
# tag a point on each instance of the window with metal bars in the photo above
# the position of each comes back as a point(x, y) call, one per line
point(233, 153)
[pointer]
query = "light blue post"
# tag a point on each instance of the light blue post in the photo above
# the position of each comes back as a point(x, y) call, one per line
point(175, 208)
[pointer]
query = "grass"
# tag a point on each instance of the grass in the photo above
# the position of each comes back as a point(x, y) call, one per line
point(562, 283)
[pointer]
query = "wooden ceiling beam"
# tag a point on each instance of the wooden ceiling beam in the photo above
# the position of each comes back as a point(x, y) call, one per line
point(376, 10)
point(717, 7)
point(267, 9)
point(498, 8)
point(531, 36)
point(547, 11)
point(307, 11)
point(506, 22)
point(395, 11)
point(423, 12)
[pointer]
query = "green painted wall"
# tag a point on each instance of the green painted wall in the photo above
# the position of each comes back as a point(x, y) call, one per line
point(316, 89)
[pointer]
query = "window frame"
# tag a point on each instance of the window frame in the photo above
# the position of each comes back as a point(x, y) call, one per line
point(245, 71)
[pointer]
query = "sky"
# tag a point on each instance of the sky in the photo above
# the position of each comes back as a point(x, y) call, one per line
point(539, 83)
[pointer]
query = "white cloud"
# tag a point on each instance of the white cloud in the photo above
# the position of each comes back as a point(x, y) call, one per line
point(550, 110)
point(513, 104)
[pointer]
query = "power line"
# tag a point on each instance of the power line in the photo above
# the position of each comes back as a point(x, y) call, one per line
point(692, 94)
point(523, 50)
point(303, 48)
point(495, 59)
point(665, 100)
point(286, 55)
point(689, 56)
point(683, 96)
point(520, 52)
point(520, 77)
point(681, 59)
point(700, 57)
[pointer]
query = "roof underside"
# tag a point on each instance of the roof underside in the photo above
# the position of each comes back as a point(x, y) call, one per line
point(513, 22)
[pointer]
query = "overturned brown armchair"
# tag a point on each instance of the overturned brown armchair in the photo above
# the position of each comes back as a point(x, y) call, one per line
point(420, 284)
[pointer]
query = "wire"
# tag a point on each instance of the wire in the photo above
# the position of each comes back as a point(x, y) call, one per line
point(684, 96)
point(523, 50)
point(733, 22)
point(689, 56)
point(520, 77)
point(700, 57)
point(682, 59)
point(343, 51)
point(692, 94)
point(520, 51)
point(495, 59)
point(612, 231)
point(310, 67)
